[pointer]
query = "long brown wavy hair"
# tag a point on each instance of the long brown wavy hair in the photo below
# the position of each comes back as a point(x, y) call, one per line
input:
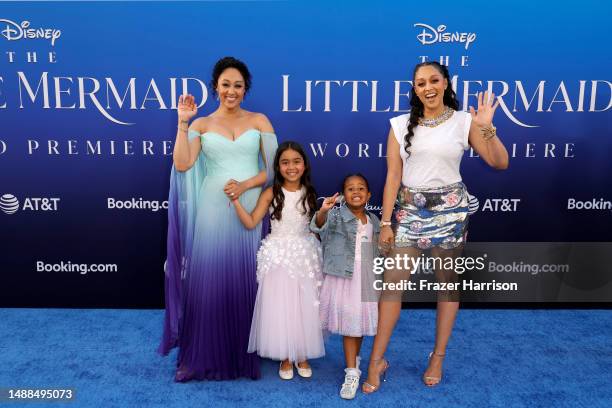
point(309, 199)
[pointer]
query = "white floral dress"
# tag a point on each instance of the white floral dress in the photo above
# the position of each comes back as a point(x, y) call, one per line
point(286, 323)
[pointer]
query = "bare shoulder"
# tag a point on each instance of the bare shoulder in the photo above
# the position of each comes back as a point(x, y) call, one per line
point(262, 122)
point(200, 124)
point(267, 194)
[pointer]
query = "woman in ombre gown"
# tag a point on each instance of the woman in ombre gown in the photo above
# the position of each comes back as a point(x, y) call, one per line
point(211, 262)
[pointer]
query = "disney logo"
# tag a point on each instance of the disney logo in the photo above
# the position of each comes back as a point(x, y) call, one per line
point(432, 35)
point(14, 31)
point(341, 202)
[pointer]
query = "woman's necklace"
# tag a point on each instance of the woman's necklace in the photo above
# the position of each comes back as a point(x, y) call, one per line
point(438, 120)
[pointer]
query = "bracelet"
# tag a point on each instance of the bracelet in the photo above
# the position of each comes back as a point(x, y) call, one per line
point(184, 129)
point(489, 132)
point(385, 223)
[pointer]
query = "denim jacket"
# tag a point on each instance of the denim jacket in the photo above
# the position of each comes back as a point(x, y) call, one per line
point(338, 240)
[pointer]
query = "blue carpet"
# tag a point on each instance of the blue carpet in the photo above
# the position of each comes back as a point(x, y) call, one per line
point(496, 358)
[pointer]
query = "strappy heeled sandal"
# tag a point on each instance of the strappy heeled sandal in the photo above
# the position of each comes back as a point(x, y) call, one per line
point(368, 388)
point(427, 378)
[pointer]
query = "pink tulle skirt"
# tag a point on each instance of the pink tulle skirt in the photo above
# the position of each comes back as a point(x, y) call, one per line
point(342, 311)
point(286, 323)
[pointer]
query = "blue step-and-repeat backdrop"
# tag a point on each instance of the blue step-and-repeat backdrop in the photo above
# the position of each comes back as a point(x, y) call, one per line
point(88, 95)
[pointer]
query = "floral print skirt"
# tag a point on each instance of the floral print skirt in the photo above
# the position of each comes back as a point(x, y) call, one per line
point(428, 217)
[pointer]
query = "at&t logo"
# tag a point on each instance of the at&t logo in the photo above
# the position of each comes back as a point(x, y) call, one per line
point(501, 204)
point(9, 204)
point(473, 204)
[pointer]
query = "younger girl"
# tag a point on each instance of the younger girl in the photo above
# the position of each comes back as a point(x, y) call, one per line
point(349, 235)
point(286, 324)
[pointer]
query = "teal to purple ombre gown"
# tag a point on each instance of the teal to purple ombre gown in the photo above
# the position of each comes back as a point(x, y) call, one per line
point(211, 267)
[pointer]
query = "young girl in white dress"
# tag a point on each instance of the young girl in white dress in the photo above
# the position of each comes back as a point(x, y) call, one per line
point(286, 324)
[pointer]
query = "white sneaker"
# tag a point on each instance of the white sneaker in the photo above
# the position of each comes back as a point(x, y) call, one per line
point(285, 374)
point(351, 383)
point(303, 372)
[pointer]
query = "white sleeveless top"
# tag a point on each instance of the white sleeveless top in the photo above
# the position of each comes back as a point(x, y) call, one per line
point(435, 152)
point(293, 221)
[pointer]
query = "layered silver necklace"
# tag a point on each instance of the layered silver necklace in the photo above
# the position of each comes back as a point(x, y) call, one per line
point(438, 120)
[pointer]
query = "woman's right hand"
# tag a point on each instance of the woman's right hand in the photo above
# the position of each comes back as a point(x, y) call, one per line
point(386, 239)
point(187, 108)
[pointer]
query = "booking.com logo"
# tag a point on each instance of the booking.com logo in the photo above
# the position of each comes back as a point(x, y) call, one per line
point(9, 204)
point(136, 204)
point(594, 204)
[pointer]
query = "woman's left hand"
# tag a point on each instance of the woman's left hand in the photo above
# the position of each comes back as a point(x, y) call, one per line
point(483, 117)
point(233, 189)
